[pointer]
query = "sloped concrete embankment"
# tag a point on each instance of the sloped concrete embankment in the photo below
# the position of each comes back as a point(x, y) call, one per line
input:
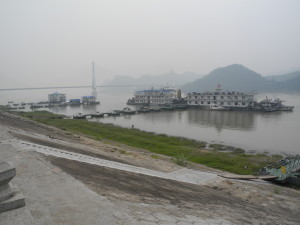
point(10, 197)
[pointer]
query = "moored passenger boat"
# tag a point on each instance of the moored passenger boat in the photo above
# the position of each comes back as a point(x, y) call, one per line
point(220, 99)
point(160, 96)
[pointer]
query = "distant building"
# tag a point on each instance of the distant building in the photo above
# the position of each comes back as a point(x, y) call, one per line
point(89, 100)
point(57, 97)
point(219, 97)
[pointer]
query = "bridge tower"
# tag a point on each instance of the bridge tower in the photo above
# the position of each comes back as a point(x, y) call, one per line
point(94, 87)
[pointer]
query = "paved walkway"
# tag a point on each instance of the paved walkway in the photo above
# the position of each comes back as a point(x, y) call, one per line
point(183, 175)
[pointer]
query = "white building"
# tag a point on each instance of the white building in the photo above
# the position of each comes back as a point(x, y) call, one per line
point(57, 97)
point(155, 96)
point(225, 99)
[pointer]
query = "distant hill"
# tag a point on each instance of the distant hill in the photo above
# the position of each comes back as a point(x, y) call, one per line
point(239, 78)
point(283, 77)
point(151, 80)
point(233, 77)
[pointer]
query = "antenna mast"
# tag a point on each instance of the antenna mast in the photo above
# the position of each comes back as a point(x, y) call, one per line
point(172, 78)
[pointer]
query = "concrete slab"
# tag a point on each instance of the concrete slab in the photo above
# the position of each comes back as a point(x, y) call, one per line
point(52, 196)
point(14, 202)
point(183, 175)
point(7, 172)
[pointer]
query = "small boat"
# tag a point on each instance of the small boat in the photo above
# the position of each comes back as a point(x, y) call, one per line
point(144, 110)
point(128, 110)
point(12, 108)
point(35, 106)
point(79, 116)
point(115, 113)
point(216, 107)
point(155, 109)
point(180, 107)
point(269, 105)
point(286, 108)
point(286, 170)
point(167, 107)
point(97, 114)
point(62, 104)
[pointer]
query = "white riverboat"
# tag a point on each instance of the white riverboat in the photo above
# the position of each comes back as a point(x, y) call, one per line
point(161, 96)
point(220, 99)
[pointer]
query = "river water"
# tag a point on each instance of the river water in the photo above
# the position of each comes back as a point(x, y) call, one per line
point(276, 132)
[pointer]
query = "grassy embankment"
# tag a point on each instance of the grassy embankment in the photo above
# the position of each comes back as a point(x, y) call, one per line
point(181, 149)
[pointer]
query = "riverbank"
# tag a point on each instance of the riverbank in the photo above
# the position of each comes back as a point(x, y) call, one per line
point(64, 189)
point(182, 150)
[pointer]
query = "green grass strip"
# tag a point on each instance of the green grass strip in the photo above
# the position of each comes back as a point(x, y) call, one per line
point(176, 147)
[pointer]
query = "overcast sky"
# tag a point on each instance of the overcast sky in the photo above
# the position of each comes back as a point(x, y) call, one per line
point(53, 42)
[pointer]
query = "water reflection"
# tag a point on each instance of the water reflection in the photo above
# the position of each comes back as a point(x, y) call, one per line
point(89, 107)
point(222, 119)
point(159, 117)
point(274, 132)
point(232, 120)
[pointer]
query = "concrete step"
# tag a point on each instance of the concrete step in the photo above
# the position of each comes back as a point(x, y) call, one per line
point(6, 192)
point(14, 202)
point(7, 172)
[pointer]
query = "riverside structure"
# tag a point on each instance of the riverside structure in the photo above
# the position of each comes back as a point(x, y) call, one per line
point(152, 96)
point(57, 97)
point(221, 98)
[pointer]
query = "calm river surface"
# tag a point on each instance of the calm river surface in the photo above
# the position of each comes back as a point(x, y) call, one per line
point(273, 132)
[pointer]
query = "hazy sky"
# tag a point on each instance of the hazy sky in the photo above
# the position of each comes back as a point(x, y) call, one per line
point(53, 42)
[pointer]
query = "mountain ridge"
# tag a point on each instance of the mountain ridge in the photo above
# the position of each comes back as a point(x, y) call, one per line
point(232, 77)
point(240, 78)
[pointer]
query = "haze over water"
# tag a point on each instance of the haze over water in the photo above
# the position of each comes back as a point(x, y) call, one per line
point(273, 132)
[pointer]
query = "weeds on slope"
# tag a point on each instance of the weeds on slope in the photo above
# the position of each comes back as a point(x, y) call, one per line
point(182, 150)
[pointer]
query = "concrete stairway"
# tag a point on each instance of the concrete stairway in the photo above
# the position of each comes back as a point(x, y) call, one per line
point(10, 197)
